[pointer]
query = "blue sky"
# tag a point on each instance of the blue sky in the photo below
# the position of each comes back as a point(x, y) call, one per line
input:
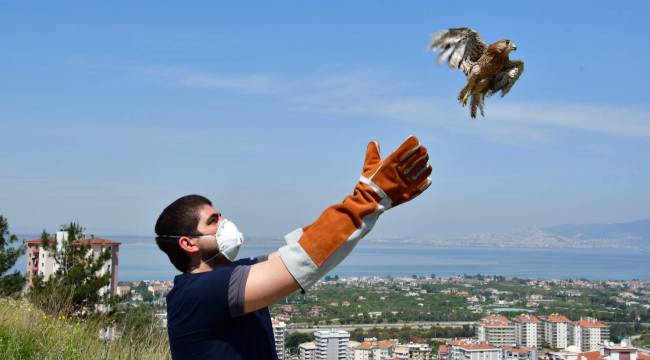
point(111, 111)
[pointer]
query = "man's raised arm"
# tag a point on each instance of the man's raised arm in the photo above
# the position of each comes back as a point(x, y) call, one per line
point(312, 251)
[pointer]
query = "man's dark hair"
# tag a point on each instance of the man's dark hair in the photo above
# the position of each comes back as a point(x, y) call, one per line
point(179, 218)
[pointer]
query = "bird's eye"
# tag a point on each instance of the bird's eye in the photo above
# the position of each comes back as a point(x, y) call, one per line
point(507, 41)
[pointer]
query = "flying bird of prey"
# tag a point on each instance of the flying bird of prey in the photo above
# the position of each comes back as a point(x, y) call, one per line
point(487, 67)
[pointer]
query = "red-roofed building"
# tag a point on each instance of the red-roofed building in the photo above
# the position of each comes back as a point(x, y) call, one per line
point(570, 354)
point(528, 330)
point(472, 349)
point(573, 353)
point(371, 350)
point(279, 331)
point(556, 331)
point(588, 334)
point(497, 330)
point(41, 262)
point(412, 351)
point(443, 351)
point(519, 353)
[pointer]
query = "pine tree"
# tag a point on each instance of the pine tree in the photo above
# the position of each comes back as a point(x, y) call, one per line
point(74, 288)
point(13, 282)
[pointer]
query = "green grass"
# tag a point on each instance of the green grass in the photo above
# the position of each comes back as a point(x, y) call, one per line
point(644, 340)
point(28, 333)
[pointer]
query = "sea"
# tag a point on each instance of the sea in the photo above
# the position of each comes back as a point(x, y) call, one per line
point(140, 259)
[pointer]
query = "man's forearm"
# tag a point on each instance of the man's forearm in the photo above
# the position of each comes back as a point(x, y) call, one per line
point(314, 250)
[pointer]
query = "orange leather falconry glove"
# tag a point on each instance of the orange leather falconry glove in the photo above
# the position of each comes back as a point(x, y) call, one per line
point(312, 251)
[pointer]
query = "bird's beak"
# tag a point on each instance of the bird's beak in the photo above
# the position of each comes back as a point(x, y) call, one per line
point(514, 47)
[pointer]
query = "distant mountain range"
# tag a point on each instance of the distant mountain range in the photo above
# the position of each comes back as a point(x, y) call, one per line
point(634, 235)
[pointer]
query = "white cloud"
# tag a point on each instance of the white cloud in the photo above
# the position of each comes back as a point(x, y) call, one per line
point(372, 93)
point(262, 84)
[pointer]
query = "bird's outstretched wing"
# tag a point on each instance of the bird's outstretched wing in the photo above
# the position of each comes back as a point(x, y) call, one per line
point(460, 47)
point(505, 79)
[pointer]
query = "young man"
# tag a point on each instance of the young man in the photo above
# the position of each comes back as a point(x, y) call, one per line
point(217, 308)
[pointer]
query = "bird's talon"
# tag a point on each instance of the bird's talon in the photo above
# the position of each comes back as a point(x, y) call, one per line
point(464, 99)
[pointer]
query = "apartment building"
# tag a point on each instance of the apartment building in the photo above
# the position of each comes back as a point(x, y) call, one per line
point(279, 331)
point(471, 349)
point(588, 334)
point(373, 350)
point(527, 330)
point(519, 353)
point(307, 351)
point(556, 331)
point(497, 330)
point(412, 351)
point(41, 262)
point(331, 344)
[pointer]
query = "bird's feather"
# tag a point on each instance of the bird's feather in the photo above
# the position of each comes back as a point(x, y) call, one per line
point(460, 47)
point(505, 79)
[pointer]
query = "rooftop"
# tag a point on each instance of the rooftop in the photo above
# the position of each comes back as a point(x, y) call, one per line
point(384, 344)
point(527, 318)
point(495, 320)
point(89, 241)
point(308, 345)
point(590, 323)
point(472, 344)
point(557, 318)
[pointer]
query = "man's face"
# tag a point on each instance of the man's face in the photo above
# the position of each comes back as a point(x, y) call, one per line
point(209, 221)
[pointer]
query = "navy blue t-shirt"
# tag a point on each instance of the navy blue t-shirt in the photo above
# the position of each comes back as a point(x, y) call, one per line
point(205, 321)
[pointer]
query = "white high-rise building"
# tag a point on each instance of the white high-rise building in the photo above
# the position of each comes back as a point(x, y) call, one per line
point(497, 330)
point(331, 344)
point(556, 331)
point(307, 351)
point(526, 330)
point(279, 330)
point(588, 334)
point(41, 262)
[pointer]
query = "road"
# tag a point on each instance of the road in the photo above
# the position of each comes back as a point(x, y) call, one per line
point(303, 328)
point(350, 327)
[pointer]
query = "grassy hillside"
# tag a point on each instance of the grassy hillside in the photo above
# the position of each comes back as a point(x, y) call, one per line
point(28, 333)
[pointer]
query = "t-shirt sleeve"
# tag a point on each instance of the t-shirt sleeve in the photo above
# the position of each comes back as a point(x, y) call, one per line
point(203, 300)
point(236, 289)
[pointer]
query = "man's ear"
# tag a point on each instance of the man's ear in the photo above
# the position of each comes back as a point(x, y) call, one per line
point(187, 244)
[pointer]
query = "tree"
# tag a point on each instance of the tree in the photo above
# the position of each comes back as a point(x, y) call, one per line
point(295, 339)
point(75, 287)
point(13, 282)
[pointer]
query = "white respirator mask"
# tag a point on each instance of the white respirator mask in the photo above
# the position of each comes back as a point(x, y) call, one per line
point(229, 239)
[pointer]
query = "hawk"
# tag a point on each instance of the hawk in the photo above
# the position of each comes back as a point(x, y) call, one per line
point(487, 67)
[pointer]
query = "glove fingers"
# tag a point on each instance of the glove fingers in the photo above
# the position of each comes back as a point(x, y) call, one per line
point(372, 160)
point(413, 172)
point(425, 184)
point(423, 175)
point(414, 163)
point(408, 147)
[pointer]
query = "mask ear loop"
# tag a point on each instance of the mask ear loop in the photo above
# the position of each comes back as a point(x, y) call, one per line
point(194, 267)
